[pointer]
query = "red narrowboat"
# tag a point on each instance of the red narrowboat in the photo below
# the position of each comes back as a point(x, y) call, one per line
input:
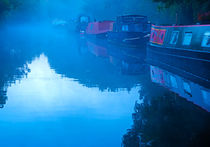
point(99, 29)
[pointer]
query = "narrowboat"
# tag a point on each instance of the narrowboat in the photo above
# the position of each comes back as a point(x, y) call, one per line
point(99, 29)
point(184, 47)
point(130, 30)
point(196, 93)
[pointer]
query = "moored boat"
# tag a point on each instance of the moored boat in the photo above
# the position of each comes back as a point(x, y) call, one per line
point(99, 29)
point(130, 30)
point(185, 47)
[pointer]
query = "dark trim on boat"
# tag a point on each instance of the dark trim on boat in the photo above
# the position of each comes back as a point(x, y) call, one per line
point(128, 39)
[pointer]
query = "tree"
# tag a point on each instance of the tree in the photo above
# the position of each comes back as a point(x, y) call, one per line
point(187, 10)
point(7, 5)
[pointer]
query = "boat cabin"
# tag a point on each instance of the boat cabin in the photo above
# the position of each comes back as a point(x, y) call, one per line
point(132, 23)
point(190, 37)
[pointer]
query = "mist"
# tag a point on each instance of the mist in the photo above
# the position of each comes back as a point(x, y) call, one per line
point(45, 11)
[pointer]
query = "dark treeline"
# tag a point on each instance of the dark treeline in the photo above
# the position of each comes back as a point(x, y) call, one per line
point(109, 9)
point(187, 11)
point(17, 9)
point(6, 6)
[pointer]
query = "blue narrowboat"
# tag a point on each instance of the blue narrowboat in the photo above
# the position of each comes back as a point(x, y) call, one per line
point(185, 47)
point(130, 30)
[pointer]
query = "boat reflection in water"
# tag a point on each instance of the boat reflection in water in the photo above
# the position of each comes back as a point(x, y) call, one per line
point(193, 92)
point(165, 118)
point(129, 61)
point(93, 66)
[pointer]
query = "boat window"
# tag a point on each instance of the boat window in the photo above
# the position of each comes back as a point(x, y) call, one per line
point(187, 38)
point(125, 28)
point(206, 40)
point(206, 96)
point(141, 19)
point(174, 37)
point(187, 88)
point(136, 28)
point(173, 82)
point(91, 26)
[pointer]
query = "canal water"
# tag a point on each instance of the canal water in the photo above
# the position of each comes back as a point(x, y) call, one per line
point(59, 89)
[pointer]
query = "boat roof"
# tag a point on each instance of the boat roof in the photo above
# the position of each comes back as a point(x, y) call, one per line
point(177, 26)
point(132, 19)
point(132, 16)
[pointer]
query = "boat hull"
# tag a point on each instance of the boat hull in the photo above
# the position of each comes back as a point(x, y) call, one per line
point(131, 39)
point(97, 36)
point(99, 29)
point(195, 63)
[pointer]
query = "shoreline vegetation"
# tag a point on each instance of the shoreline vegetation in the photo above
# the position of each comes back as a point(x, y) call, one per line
point(6, 6)
point(187, 11)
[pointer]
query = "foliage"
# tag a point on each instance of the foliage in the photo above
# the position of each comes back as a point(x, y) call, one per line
point(109, 9)
point(7, 5)
point(194, 7)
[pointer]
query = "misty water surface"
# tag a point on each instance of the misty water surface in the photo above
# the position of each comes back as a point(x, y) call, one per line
point(57, 89)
